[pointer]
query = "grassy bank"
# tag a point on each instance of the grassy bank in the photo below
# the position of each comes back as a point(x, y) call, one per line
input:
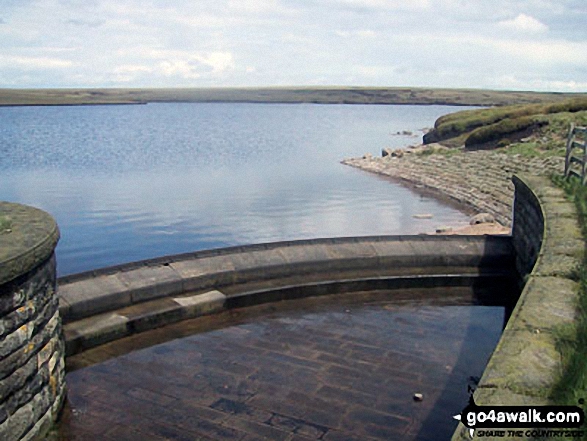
point(572, 385)
point(322, 95)
point(500, 126)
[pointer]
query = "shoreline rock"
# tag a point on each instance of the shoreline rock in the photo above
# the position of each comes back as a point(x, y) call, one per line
point(479, 181)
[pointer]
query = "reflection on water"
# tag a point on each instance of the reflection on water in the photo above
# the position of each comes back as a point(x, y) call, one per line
point(135, 182)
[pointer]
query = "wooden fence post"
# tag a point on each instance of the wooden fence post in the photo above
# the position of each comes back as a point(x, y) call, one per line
point(569, 148)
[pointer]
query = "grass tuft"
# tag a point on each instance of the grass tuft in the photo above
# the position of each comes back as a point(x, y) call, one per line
point(5, 224)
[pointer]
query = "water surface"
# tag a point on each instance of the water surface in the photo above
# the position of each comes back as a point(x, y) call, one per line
point(135, 182)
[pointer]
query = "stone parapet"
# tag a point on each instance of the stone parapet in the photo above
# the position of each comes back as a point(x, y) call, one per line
point(32, 367)
point(526, 363)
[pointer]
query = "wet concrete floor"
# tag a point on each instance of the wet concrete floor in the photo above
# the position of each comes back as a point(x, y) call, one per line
point(343, 368)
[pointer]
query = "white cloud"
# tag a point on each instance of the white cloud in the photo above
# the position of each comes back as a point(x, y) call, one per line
point(256, 6)
point(388, 4)
point(193, 66)
point(516, 83)
point(553, 52)
point(456, 43)
point(131, 68)
point(219, 61)
point(130, 72)
point(372, 71)
point(29, 62)
point(362, 33)
point(524, 23)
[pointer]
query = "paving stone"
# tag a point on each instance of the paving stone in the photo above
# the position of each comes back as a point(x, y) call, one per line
point(242, 381)
point(257, 431)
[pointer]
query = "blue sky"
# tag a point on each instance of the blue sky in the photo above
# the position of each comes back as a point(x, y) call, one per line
point(495, 44)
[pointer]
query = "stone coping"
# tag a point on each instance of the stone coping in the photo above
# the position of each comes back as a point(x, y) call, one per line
point(28, 237)
point(526, 362)
point(96, 292)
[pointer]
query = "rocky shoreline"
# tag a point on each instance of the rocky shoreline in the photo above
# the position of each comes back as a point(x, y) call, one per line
point(480, 181)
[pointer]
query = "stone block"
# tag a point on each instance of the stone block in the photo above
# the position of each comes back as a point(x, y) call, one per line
point(29, 390)
point(22, 355)
point(305, 254)
point(204, 272)
point(205, 303)
point(18, 378)
point(45, 313)
point(23, 420)
point(560, 209)
point(565, 228)
point(546, 304)
point(95, 330)
point(193, 268)
point(11, 298)
point(395, 253)
point(257, 260)
point(150, 282)
point(17, 318)
point(16, 426)
point(567, 246)
point(47, 352)
point(43, 425)
point(524, 362)
point(16, 339)
point(93, 296)
point(557, 265)
point(354, 250)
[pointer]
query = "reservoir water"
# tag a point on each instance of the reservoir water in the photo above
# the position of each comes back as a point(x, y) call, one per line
point(134, 182)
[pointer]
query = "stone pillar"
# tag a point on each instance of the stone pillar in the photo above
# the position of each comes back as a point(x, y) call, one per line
point(32, 365)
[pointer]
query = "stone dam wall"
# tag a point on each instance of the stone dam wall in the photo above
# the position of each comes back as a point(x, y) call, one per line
point(527, 228)
point(32, 366)
point(111, 303)
point(526, 363)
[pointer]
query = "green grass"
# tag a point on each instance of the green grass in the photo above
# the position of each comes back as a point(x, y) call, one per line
point(572, 340)
point(533, 150)
point(5, 225)
point(502, 131)
point(482, 126)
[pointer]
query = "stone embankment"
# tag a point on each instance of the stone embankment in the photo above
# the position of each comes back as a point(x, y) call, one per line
point(480, 180)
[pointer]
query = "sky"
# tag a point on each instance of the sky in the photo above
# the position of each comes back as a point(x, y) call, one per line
point(493, 44)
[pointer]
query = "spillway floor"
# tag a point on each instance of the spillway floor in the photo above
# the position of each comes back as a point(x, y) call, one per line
point(329, 368)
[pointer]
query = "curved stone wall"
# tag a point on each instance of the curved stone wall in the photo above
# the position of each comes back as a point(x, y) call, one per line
point(527, 228)
point(549, 248)
point(110, 303)
point(32, 367)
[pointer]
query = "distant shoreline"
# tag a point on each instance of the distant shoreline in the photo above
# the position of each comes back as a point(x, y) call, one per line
point(71, 104)
point(285, 95)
